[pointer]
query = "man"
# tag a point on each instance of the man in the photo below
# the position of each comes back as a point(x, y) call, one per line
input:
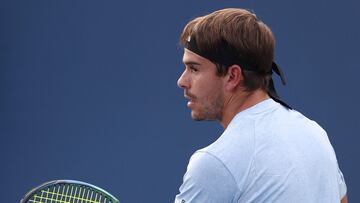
point(268, 152)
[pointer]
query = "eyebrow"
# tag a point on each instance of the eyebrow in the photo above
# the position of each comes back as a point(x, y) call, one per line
point(191, 63)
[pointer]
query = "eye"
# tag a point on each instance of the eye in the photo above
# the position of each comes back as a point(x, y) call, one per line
point(193, 69)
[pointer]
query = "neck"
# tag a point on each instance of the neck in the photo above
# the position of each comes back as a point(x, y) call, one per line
point(238, 102)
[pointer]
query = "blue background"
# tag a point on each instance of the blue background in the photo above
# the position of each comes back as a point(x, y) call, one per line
point(88, 89)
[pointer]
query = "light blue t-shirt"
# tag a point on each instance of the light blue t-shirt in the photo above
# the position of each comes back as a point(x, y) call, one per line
point(266, 154)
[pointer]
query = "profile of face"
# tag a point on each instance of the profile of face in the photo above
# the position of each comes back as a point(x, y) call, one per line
point(202, 87)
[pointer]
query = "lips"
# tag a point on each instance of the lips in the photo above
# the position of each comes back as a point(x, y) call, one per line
point(190, 104)
point(191, 101)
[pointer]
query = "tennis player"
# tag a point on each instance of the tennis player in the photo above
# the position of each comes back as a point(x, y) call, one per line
point(268, 152)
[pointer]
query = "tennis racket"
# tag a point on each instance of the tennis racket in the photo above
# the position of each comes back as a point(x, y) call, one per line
point(68, 191)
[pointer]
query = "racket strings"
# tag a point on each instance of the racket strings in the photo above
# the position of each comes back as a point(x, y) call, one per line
point(68, 194)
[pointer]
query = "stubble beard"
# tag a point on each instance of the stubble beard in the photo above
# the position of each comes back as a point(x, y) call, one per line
point(211, 109)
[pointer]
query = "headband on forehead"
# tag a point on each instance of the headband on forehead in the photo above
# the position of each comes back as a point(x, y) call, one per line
point(227, 55)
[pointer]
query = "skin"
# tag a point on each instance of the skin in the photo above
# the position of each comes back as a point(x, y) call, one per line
point(344, 200)
point(202, 87)
point(213, 97)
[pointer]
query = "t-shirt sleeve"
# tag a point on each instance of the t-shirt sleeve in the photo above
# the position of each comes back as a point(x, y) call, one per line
point(206, 180)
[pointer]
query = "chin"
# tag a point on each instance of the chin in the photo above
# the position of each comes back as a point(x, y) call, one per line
point(196, 117)
point(199, 117)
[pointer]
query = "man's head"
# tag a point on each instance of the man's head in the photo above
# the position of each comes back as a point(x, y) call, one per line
point(234, 36)
point(227, 51)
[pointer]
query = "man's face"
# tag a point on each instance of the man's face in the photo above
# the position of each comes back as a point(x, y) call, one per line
point(202, 87)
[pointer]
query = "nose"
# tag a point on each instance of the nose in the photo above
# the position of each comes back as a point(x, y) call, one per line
point(183, 81)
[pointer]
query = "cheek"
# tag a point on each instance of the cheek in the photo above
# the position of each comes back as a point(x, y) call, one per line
point(210, 89)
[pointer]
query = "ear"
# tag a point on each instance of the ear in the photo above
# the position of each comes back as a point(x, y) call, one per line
point(233, 77)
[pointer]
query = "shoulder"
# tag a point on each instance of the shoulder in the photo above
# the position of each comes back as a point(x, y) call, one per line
point(204, 164)
point(207, 179)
